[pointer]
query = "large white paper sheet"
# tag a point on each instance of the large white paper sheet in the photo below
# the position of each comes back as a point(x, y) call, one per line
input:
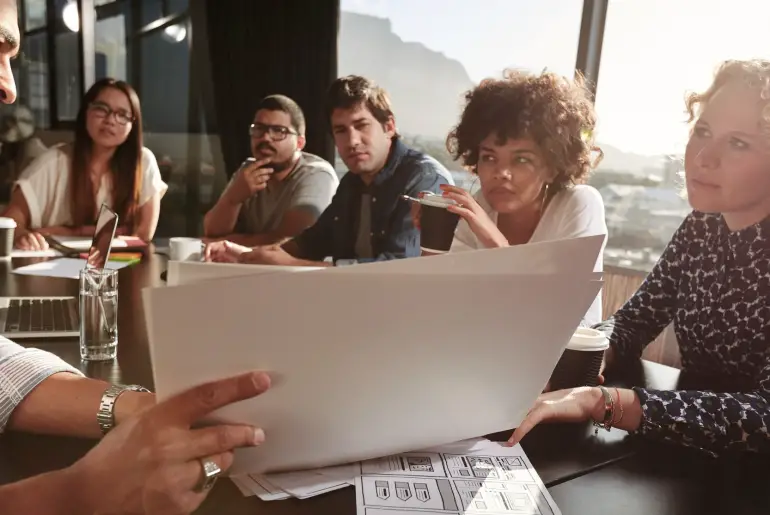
point(67, 268)
point(574, 255)
point(367, 365)
point(189, 272)
point(463, 478)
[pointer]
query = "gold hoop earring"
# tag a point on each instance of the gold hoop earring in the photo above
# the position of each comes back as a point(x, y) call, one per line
point(545, 196)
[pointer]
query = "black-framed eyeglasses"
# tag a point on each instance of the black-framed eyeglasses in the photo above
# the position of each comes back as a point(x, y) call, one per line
point(276, 132)
point(102, 110)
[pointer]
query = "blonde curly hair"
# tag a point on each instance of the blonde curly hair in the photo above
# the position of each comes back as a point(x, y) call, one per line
point(755, 73)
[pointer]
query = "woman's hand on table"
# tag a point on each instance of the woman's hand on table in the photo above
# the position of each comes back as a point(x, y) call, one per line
point(575, 405)
point(581, 405)
point(30, 241)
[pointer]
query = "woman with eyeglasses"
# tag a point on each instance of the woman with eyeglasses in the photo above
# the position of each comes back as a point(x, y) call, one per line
point(60, 193)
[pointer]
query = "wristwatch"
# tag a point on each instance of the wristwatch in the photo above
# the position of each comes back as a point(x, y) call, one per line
point(106, 416)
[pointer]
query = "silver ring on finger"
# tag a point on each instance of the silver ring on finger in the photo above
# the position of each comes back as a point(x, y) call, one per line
point(210, 471)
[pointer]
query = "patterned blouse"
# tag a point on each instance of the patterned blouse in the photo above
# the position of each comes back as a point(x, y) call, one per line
point(714, 285)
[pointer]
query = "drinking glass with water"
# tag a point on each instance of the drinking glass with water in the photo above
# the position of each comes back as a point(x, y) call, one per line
point(98, 314)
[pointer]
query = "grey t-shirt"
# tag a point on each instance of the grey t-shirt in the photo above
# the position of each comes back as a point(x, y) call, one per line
point(309, 187)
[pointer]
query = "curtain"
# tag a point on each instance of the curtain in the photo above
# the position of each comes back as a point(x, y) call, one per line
point(261, 47)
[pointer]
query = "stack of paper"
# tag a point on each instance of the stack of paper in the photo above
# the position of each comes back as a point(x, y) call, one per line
point(303, 484)
point(472, 476)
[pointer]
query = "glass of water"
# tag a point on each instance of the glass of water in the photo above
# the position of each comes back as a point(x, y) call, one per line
point(98, 314)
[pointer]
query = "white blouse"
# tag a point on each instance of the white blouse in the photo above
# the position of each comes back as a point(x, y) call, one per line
point(571, 213)
point(45, 186)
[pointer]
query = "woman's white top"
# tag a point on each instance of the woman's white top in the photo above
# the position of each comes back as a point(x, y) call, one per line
point(45, 186)
point(571, 213)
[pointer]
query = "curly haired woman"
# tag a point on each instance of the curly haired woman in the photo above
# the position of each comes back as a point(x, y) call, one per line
point(529, 139)
point(712, 282)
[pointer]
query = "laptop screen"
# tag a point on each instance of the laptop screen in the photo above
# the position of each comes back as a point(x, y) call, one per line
point(106, 225)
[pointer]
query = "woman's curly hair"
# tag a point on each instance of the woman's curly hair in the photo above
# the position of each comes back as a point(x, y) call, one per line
point(755, 73)
point(555, 112)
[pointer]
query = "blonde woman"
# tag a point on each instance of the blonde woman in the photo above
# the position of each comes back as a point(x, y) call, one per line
point(712, 281)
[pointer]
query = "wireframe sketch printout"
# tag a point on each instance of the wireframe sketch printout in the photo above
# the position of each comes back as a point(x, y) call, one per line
point(479, 477)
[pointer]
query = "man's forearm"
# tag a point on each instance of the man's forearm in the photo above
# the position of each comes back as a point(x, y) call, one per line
point(256, 240)
point(221, 219)
point(66, 404)
point(53, 493)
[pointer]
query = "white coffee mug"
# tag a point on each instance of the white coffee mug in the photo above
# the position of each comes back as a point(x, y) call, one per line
point(185, 249)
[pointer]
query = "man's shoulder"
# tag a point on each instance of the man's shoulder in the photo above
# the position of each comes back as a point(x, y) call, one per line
point(423, 166)
point(312, 165)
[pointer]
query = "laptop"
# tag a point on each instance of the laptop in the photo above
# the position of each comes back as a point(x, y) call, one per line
point(56, 317)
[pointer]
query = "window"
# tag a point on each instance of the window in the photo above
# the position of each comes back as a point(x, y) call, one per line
point(151, 10)
point(31, 75)
point(164, 80)
point(68, 92)
point(110, 41)
point(35, 13)
point(177, 6)
point(68, 88)
point(649, 62)
point(427, 54)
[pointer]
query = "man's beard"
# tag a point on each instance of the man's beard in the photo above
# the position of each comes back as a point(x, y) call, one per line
point(277, 166)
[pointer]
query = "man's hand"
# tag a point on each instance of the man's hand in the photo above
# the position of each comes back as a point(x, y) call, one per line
point(250, 179)
point(151, 463)
point(223, 252)
point(268, 255)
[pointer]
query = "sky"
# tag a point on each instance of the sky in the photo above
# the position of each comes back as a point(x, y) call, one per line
point(654, 51)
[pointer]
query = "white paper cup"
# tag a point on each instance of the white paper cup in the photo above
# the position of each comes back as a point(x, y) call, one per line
point(7, 231)
point(185, 249)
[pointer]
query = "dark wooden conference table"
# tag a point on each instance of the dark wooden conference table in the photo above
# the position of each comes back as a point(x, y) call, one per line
point(608, 473)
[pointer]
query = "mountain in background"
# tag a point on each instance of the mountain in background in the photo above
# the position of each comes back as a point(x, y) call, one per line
point(637, 164)
point(426, 87)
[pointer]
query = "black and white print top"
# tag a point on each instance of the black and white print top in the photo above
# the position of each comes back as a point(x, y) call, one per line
point(714, 284)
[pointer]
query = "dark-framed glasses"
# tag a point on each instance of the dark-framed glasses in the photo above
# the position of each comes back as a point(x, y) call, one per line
point(102, 110)
point(276, 132)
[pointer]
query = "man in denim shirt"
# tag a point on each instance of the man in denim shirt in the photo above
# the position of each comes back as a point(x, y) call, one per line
point(367, 219)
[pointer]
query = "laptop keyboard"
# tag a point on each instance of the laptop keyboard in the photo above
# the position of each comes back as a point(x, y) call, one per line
point(38, 315)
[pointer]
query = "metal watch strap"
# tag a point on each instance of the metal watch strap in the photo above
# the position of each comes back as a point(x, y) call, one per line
point(106, 416)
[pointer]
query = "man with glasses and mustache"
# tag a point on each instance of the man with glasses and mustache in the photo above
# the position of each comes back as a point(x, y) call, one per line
point(281, 190)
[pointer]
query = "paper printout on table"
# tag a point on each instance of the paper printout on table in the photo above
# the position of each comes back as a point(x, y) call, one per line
point(483, 477)
point(67, 268)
